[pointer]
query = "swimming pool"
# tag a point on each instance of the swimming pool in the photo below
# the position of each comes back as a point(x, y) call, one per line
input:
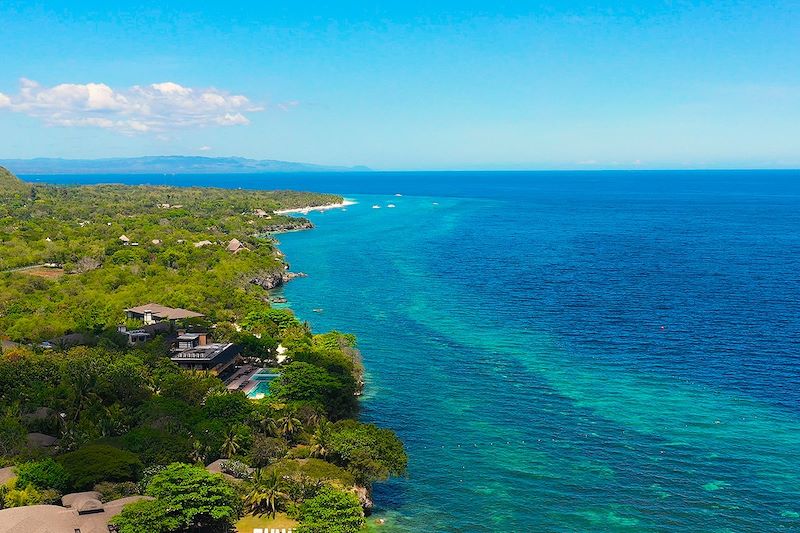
point(263, 378)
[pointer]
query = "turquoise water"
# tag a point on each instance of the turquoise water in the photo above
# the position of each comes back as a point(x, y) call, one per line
point(568, 351)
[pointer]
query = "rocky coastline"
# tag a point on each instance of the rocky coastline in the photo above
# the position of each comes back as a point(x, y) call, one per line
point(275, 279)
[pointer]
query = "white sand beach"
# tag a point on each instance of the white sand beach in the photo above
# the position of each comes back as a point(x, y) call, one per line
point(308, 208)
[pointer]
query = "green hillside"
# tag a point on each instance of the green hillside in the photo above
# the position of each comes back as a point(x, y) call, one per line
point(9, 183)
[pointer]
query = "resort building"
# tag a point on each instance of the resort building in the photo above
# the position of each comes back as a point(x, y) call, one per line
point(187, 341)
point(152, 313)
point(134, 337)
point(216, 358)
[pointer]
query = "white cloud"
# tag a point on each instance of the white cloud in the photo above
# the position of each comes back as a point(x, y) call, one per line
point(151, 108)
point(204, 148)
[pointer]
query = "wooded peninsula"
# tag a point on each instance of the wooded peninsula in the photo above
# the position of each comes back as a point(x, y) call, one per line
point(149, 384)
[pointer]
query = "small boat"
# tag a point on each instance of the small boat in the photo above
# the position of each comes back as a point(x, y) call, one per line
point(376, 206)
point(391, 205)
point(398, 194)
point(317, 310)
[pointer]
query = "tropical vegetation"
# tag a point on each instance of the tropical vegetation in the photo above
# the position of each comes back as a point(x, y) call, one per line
point(127, 420)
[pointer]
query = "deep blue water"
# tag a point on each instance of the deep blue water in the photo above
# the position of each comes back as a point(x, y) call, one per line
point(601, 351)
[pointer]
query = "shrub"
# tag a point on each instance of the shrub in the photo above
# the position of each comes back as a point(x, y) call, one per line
point(267, 450)
point(12, 435)
point(44, 474)
point(236, 469)
point(147, 475)
point(110, 491)
point(315, 469)
point(92, 464)
point(299, 452)
point(21, 497)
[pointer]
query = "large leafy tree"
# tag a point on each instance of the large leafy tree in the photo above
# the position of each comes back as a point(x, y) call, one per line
point(331, 511)
point(148, 516)
point(186, 498)
point(307, 383)
point(369, 452)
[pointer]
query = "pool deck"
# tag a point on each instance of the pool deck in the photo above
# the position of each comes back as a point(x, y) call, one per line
point(242, 379)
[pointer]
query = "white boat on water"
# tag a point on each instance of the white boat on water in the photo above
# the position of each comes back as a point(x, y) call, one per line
point(376, 206)
point(391, 205)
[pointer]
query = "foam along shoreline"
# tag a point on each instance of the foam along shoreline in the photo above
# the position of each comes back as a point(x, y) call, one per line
point(308, 208)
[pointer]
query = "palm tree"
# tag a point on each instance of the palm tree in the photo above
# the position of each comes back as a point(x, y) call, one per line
point(81, 387)
point(321, 439)
point(230, 444)
point(288, 424)
point(198, 453)
point(266, 494)
point(312, 418)
point(264, 422)
point(111, 421)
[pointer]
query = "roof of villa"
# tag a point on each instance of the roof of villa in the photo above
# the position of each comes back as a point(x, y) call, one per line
point(216, 468)
point(57, 519)
point(235, 245)
point(167, 313)
point(207, 352)
point(78, 500)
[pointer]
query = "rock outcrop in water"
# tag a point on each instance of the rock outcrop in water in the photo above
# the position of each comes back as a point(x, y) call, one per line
point(365, 497)
point(291, 225)
point(273, 280)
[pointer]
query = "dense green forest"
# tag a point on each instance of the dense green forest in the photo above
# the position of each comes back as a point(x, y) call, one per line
point(79, 228)
point(128, 420)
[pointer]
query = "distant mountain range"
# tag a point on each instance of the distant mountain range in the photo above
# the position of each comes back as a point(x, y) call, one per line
point(163, 165)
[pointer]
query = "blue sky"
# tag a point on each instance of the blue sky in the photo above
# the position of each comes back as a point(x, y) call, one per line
point(406, 85)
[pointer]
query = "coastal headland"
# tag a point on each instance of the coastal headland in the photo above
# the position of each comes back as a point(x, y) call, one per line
point(151, 359)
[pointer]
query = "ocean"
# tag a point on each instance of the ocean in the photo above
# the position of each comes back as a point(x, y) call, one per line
point(565, 351)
